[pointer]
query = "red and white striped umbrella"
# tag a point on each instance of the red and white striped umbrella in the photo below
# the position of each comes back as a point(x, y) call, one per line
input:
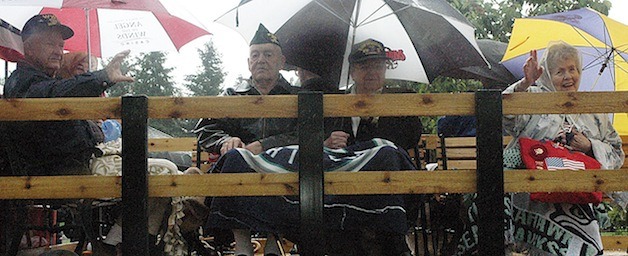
point(114, 25)
point(10, 42)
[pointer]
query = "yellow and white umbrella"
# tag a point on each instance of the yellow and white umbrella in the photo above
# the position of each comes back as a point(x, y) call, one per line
point(603, 43)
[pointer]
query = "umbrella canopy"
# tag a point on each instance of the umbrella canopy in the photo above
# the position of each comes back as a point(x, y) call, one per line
point(493, 76)
point(425, 37)
point(10, 42)
point(114, 26)
point(603, 43)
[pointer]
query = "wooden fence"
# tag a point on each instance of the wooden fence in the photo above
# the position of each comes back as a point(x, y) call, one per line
point(310, 183)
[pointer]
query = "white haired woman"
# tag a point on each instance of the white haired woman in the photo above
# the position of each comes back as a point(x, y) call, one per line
point(554, 228)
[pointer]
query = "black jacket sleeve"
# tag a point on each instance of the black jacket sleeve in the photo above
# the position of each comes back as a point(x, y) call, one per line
point(90, 84)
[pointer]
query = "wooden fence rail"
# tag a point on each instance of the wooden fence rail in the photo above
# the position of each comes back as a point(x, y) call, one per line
point(334, 183)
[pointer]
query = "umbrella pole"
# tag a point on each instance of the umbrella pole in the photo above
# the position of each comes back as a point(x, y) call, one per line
point(89, 41)
point(353, 26)
point(6, 71)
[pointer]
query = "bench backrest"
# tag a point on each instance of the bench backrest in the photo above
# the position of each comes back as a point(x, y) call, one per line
point(450, 153)
point(453, 153)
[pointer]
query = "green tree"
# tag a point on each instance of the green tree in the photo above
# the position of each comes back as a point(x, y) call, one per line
point(493, 19)
point(209, 78)
point(152, 78)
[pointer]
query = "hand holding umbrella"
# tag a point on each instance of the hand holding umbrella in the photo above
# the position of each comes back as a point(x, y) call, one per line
point(113, 68)
point(532, 71)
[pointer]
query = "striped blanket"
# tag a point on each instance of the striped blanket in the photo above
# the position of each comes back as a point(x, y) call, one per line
point(281, 214)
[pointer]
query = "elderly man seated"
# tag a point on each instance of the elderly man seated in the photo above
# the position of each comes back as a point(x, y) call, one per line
point(356, 225)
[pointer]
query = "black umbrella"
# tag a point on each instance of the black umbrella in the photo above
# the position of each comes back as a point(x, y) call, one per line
point(495, 76)
point(425, 37)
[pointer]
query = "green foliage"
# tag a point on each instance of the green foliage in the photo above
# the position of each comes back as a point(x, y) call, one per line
point(493, 19)
point(619, 219)
point(208, 80)
point(151, 77)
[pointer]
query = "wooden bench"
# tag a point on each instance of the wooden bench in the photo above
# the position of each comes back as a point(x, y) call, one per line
point(459, 153)
point(200, 159)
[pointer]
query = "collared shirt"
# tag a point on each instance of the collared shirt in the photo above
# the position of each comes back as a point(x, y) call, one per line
point(355, 120)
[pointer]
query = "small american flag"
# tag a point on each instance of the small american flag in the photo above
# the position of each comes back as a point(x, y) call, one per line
point(557, 163)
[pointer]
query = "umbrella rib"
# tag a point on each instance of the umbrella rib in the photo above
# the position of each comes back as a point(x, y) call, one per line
point(589, 42)
point(370, 15)
point(328, 9)
point(379, 18)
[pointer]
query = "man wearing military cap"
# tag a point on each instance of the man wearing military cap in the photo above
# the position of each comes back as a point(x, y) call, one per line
point(368, 64)
point(253, 134)
point(384, 234)
point(59, 147)
point(37, 148)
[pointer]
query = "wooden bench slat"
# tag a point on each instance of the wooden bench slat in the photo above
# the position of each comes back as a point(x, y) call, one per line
point(615, 243)
point(340, 183)
point(172, 144)
point(461, 153)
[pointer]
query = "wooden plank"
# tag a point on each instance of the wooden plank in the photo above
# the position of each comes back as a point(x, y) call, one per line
point(172, 144)
point(335, 105)
point(456, 142)
point(221, 107)
point(565, 180)
point(461, 153)
point(565, 102)
point(80, 186)
point(461, 164)
point(342, 183)
point(399, 104)
point(464, 142)
point(60, 109)
point(615, 243)
point(410, 104)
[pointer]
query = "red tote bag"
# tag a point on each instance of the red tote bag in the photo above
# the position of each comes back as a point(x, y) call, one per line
point(548, 155)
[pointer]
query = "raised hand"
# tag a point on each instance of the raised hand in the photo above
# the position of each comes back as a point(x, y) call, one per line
point(113, 68)
point(532, 71)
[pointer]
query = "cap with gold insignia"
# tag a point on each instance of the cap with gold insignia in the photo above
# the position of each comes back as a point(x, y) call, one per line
point(366, 50)
point(263, 36)
point(45, 21)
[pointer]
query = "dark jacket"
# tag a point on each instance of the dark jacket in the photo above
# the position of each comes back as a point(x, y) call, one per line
point(271, 132)
point(50, 147)
point(404, 131)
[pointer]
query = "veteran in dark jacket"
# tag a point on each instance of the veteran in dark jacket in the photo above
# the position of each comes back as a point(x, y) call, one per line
point(52, 147)
point(255, 134)
point(368, 64)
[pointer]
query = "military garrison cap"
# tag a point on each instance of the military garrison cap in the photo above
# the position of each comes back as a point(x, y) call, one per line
point(45, 21)
point(367, 49)
point(263, 36)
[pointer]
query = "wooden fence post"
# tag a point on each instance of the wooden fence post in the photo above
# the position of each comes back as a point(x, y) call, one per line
point(310, 130)
point(490, 174)
point(135, 176)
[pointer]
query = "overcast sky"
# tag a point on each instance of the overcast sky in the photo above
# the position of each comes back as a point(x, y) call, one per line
point(232, 45)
